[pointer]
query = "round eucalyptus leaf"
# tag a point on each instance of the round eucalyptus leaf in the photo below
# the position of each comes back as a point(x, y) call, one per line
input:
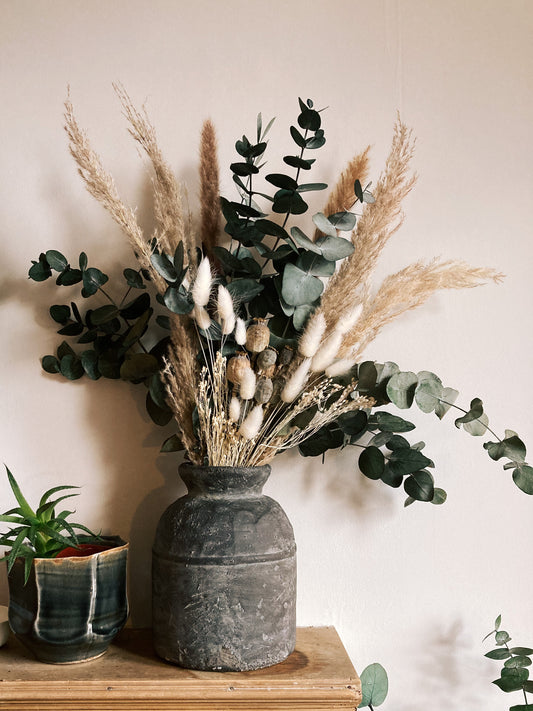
point(40, 271)
point(93, 279)
point(70, 367)
point(353, 423)
point(89, 361)
point(172, 444)
point(477, 427)
point(137, 307)
point(244, 169)
point(308, 187)
point(60, 313)
point(309, 119)
point(420, 486)
point(372, 462)
point(427, 394)
point(334, 248)
point(300, 316)
point(299, 287)
point(297, 162)
point(178, 301)
point(499, 654)
point(523, 478)
point(64, 349)
point(343, 221)
point(83, 261)
point(57, 261)
point(439, 496)
point(161, 416)
point(282, 181)
point(74, 328)
point(164, 267)
point(449, 396)
point(139, 366)
point(401, 389)
point(405, 460)
point(103, 314)
point(297, 137)
point(50, 364)
point(69, 277)
point(244, 290)
point(374, 685)
point(133, 279)
point(518, 662)
point(315, 264)
point(302, 240)
point(286, 201)
point(324, 225)
point(392, 423)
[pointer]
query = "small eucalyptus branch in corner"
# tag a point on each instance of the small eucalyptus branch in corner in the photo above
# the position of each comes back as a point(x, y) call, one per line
point(514, 675)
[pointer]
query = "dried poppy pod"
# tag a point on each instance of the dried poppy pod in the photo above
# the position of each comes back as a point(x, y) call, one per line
point(236, 366)
point(263, 390)
point(257, 335)
point(286, 355)
point(266, 359)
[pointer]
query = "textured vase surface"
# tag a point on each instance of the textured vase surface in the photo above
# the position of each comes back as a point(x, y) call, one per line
point(224, 573)
point(71, 608)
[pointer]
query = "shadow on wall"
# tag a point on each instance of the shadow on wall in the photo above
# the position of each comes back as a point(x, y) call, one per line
point(450, 670)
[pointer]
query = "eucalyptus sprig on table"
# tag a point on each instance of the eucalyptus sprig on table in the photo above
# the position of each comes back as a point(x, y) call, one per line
point(514, 675)
point(39, 533)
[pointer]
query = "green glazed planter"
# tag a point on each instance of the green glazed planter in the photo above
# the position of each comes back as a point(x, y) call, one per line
point(72, 606)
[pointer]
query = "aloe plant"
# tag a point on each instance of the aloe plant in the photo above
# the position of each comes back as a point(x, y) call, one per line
point(41, 533)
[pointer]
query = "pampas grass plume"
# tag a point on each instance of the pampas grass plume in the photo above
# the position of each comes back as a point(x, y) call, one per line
point(201, 317)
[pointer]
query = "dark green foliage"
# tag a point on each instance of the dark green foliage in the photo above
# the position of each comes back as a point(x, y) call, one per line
point(514, 675)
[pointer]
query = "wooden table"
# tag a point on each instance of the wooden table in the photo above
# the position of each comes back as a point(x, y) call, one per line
point(318, 676)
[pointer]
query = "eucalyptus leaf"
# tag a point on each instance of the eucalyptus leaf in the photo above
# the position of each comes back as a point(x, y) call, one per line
point(133, 279)
point(60, 313)
point(334, 248)
point(401, 389)
point(374, 685)
point(372, 462)
point(419, 486)
point(523, 478)
point(324, 225)
point(343, 221)
point(57, 261)
point(299, 287)
point(139, 366)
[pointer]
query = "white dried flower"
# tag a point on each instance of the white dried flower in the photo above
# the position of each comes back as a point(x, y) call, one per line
point(296, 381)
point(327, 352)
point(201, 289)
point(339, 367)
point(240, 332)
point(311, 337)
point(234, 409)
point(201, 317)
point(247, 384)
point(225, 310)
point(252, 423)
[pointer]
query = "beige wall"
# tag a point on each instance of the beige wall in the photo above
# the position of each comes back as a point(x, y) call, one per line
point(416, 589)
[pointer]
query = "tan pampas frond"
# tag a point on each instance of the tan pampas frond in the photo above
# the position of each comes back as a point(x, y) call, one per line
point(209, 190)
point(168, 199)
point(407, 289)
point(342, 196)
point(379, 221)
point(102, 187)
point(180, 375)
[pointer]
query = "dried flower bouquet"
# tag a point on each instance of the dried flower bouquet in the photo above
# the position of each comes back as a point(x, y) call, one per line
point(268, 323)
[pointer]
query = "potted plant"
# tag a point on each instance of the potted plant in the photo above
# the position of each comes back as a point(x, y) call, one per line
point(267, 319)
point(67, 590)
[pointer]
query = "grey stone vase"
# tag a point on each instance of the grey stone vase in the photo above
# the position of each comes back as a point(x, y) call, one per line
point(224, 573)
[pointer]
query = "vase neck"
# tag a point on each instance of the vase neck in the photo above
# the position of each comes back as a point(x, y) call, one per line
point(224, 480)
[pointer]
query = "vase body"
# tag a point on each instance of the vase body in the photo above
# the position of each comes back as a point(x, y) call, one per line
point(224, 573)
point(71, 607)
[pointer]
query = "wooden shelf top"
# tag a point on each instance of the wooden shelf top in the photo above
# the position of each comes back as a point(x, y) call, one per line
point(317, 676)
